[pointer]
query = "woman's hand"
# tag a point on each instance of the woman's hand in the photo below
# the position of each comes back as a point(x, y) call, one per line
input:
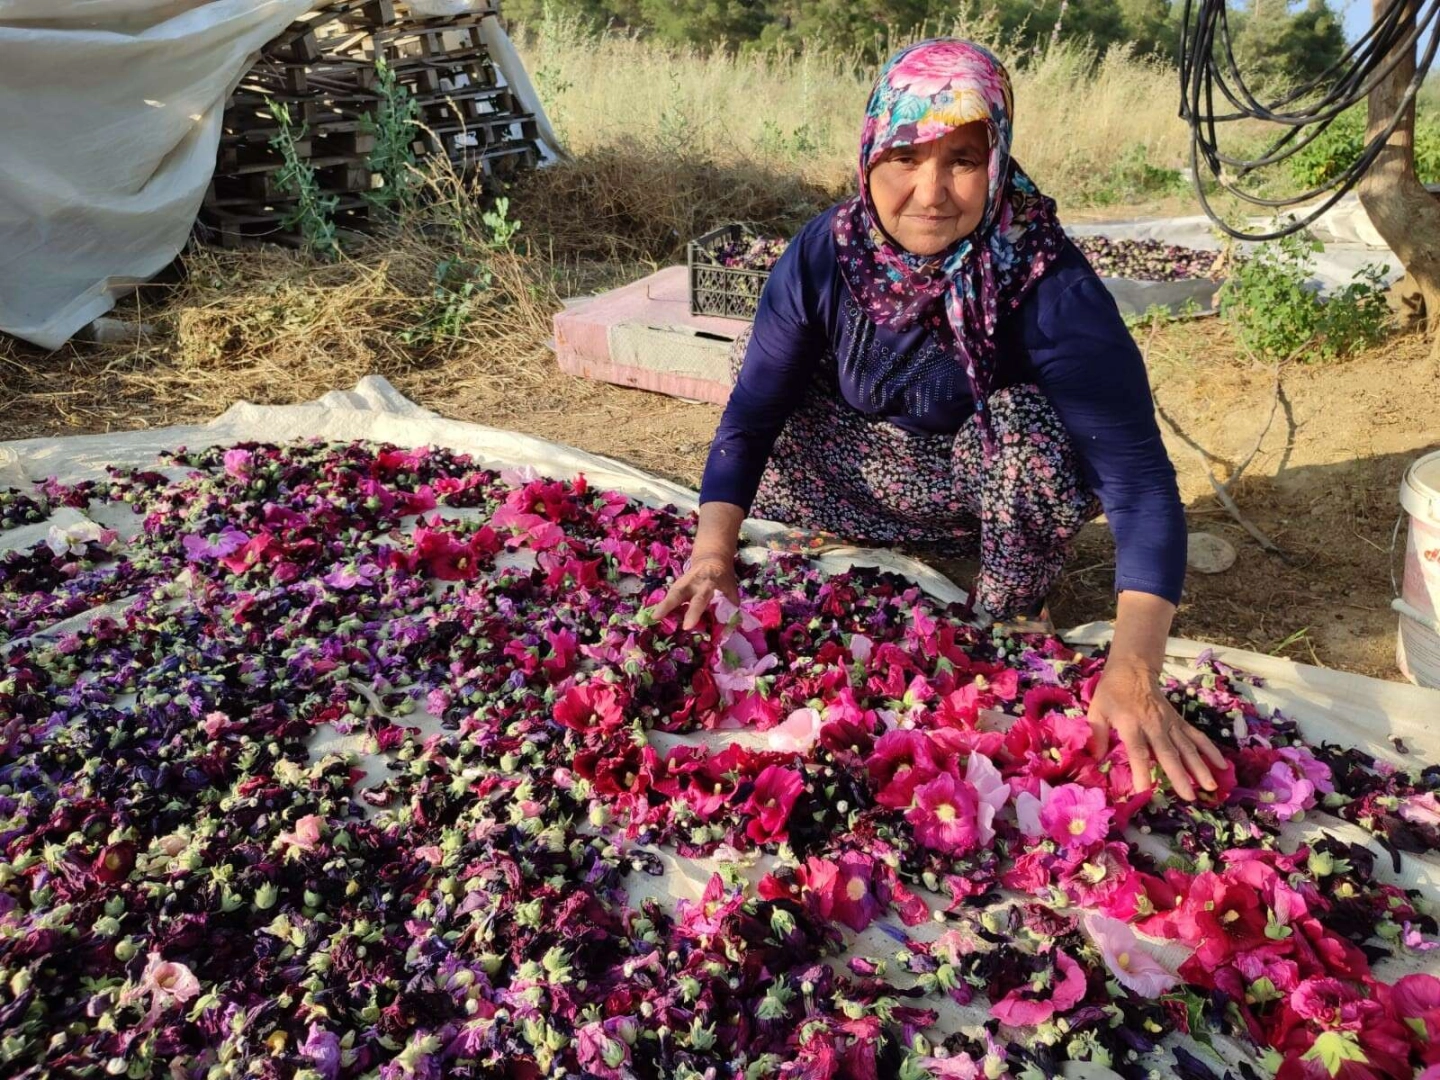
point(1128, 699)
point(706, 576)
point(712, 564)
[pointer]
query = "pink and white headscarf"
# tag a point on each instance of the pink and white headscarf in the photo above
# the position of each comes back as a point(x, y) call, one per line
point(923, 93)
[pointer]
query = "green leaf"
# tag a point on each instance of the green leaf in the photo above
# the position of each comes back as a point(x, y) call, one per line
point(1333, 1049)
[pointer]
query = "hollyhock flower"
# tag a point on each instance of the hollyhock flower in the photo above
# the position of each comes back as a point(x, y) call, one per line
point(307, 835)
point(74, 539)
point(114, 863)
point(600, 1055)
point(797, 734)
point(901, 761)
point(1076, 817)
point(770, 803)
point(946, 815)
point(167, 983)
point(216, 545)
point(992, 791)
point(237, 462)
point(592, 706)
point(843, 889)
point(1133, 967)
point(1030, 1006)
point(1332, 1028)
point(1415, 1000)
point(1420, 809)
point(349, 575)
point(1217, 917)
point(322, 1049)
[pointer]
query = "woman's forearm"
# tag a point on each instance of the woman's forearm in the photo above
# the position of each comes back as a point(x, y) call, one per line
point(717, 536)
point(1142, 626)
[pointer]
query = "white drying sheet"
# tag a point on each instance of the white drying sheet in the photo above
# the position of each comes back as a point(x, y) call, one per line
point(110, 116)
point(1341, 231)
point(1331, 705)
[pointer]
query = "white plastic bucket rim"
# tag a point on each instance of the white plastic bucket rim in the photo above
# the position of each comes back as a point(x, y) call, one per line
point(1417, 647)
point(1420, 488)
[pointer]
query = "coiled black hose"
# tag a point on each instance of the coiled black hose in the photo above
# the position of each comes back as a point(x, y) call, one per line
point(1207, 65)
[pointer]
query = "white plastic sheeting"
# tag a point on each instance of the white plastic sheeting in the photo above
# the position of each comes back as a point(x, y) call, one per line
point(110, 114)
point(1330, 705)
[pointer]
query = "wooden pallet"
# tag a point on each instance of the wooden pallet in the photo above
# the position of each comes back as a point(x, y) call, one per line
point(323, 69)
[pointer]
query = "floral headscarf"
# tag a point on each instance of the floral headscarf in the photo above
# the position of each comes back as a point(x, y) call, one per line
point(924, 92)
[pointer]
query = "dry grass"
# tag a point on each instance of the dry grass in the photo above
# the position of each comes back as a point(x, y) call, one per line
point(799, 116)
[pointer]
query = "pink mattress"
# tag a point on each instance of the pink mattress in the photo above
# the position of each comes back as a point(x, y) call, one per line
point(643, 335)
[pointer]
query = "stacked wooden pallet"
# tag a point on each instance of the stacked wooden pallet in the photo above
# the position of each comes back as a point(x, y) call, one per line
point(323, 69)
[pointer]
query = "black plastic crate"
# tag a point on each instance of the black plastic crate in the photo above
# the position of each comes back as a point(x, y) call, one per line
point(724, 291)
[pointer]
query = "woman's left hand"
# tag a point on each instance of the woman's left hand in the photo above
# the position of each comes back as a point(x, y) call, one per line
point(1129, 700)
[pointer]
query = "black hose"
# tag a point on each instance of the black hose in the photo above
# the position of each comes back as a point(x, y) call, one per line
point(1208, 68)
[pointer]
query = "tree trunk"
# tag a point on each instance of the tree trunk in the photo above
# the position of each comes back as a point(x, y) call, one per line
point(1404, 213)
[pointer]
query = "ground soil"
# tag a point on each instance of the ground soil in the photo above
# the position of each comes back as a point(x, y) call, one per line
point(1323, 486)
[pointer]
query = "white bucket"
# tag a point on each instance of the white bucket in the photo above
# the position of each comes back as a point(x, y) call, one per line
point(1417, 649)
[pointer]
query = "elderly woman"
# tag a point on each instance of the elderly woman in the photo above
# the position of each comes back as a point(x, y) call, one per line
point(934, 363)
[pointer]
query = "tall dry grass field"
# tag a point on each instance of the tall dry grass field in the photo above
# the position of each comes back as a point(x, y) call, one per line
point(1076, 122)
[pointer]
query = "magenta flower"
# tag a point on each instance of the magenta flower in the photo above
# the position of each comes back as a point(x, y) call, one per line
point(1076, 817)
point(901, 761)
point(770, 803)
point(591, 706)
point(1133, 967)
point(946, 816)
point(1025, 1007)
point(237, 461)
point(600, 1054)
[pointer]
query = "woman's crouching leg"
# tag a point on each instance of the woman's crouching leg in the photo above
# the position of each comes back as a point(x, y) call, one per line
point(1030, 496)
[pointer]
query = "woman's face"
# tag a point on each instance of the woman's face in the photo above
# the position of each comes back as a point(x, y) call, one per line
point(931, 195)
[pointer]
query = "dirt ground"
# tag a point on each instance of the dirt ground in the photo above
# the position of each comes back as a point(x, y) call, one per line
point(1323, 485)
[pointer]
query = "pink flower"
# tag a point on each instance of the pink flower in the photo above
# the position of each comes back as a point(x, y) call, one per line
point(1020, 1008)
point(1133, 967)
point(306, 836)
point(945, 815)
point(860, 648)
point(431, 853)
point(215, 723)
point(797, 734)
point(776, 790)
point(1076, 817)
point(601, 1055)
point(596, 706)
point(843, 890)
point(982, 775)
point(1416, 1001)
point(900, 762)
point(1421, 809)
point(237, 461)
point(168, 983)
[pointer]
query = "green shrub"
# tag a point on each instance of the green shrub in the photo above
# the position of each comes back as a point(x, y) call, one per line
point(1344, 140)
point(1131, 177)
point(1274, 313)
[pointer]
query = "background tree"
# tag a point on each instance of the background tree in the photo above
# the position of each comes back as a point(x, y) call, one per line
point(1403, 211)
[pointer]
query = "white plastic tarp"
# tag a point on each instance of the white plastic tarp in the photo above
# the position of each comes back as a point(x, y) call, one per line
point(1331, 706)
point(110, 114)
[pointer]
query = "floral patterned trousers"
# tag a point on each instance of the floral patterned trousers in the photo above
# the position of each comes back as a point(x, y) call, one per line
point(837, 470)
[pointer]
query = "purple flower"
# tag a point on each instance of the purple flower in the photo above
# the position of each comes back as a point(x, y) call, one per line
point(216, 545)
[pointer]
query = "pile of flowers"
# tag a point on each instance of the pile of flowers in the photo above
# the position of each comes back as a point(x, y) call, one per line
point(1146, 260)
point(747, 253)
point(187, 889)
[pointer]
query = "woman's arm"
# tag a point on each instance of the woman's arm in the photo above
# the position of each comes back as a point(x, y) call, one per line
point(1090, 369)
point(1128, 699)
point(779, 363)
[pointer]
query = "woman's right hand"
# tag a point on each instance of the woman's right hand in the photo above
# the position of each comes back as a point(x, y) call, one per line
point(706, 575)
